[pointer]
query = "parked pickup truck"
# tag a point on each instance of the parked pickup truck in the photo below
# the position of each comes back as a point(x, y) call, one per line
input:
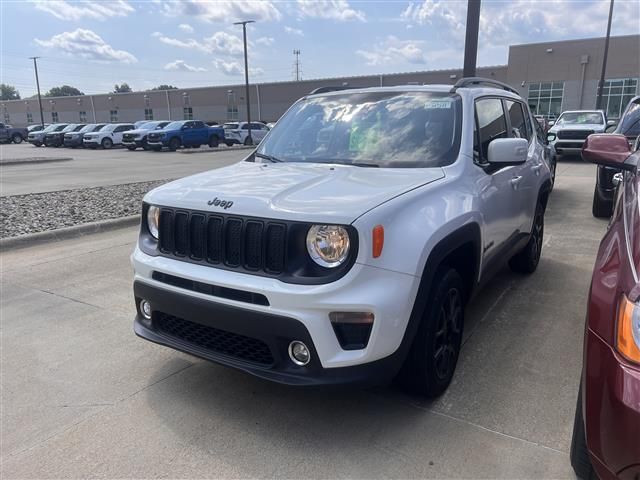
point(185, 133)
point(9, 134)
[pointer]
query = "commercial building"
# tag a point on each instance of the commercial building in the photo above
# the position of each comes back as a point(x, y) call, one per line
point(553, 76)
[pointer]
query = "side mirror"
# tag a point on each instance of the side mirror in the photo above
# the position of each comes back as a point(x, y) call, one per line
point(552, 123)
point(611, 123)
point(610, 128)
point(184, 127)
point(608, 150)
point(508, 151)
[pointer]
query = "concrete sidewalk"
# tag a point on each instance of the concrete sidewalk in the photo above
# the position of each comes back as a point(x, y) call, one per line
point(83, 397)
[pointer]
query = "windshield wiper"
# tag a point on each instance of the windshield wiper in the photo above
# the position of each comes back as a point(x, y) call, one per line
point(271, 158)
point(364, 164)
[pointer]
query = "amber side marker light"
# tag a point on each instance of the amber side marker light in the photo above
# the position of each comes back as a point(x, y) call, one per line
point(378, 240)
point(628, 337)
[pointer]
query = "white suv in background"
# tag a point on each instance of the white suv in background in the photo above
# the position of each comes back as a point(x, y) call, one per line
point(107, 136)
point(346, 246)
point(237, 132)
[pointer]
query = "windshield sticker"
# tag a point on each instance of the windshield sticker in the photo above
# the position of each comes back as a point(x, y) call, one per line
point(435, 104)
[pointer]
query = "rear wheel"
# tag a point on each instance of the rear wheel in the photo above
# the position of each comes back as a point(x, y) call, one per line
point(432, 361)
point(17, 138)
point(131, 148)
point(214, 141)
point(106, 143)
point(174, 144)
point(579, 453)
point(229, 144)
point(526, 261)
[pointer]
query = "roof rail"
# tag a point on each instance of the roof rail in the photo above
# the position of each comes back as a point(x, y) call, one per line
point(476, 81)
point(330, 88)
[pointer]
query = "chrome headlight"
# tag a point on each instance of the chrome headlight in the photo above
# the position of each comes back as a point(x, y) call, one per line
point(551, 137)
point(328, 245)
point(153, 220)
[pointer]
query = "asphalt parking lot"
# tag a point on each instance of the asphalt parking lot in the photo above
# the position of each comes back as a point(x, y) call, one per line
point(83, 397)
point(93, 168)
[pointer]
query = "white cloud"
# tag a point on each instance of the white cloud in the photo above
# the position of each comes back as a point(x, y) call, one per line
point(234, 69)
point(182, 66)
point(86, 44)
point(224, 11)
point(294, 31)
point(266, 41)
point(329, 9)
point(219, 42)
point(393, 51)
point(65, 10)
point(522, 21)
point(185, 27)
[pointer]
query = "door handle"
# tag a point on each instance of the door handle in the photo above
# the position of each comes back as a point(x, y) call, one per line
point(536, 168)
point(515, 181)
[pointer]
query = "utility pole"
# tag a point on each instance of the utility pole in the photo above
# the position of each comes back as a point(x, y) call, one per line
point(471, 38)
point(296, 64)
point(604, 59)
point(35, 67)
point(246, 78)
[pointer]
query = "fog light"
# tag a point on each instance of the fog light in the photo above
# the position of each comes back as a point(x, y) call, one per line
point(299, 353)
point(145, 309)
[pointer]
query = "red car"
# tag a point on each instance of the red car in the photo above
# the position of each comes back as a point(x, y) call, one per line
point(606, 432)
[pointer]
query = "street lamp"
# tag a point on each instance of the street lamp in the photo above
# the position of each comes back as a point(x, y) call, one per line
point(246, 77)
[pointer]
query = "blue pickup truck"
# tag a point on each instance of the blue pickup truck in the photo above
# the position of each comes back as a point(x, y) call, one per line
point(185, 133)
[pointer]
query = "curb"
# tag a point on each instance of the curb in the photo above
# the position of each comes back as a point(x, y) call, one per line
point(75, 231)
point(215, 150)
point(31, 161)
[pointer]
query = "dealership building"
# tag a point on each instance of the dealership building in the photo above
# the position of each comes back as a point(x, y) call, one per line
point(552, 76)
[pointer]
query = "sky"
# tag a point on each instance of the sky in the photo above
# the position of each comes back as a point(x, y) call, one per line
point(93, 45)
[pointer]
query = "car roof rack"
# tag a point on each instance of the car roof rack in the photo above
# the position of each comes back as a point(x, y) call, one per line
point(478, 81)
point(330, 88)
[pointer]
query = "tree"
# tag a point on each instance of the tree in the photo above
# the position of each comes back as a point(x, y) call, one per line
point(165, 87)
point(124, 88)
point(63, 91)
point(8, 92)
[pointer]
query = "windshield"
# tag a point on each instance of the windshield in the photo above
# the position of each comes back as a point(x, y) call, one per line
point(379, 129)
point(69, 128)
point(630, 123)
point(581, 118)
point(230, 126)
point(50, 128)
point(109, 128)
point(174, 126)
point(153, 125)
point(87, 128)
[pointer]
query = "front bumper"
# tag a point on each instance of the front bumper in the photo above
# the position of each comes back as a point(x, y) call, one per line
point(612, 410)
point(91, 143)
point(293, 312)
point(73, 142)
point(567, 146)
point(133, 143)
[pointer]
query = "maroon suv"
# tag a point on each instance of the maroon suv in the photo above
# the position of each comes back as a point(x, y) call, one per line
point(606, 432)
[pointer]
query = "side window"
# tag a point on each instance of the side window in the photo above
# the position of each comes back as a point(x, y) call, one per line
point(516, 117)
point(492, 123)
point(198, 124)
point(245, 127)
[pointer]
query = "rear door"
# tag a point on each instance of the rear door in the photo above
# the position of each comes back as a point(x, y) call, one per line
point(4, 133)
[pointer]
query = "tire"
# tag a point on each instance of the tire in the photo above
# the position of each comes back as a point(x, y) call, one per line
point(214, 141)
point(527, 259)
point(17, 138)
point(107, 143)
point(600, 208)
point(432, 360)
point(174, 144)
point(37, 144)
point(131, 148)
point(579, 453)
point(229, 144)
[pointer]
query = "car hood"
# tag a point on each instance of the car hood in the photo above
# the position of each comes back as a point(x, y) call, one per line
point(582, 126)
point(140, 130)
point(164, 131)
point(292, 191)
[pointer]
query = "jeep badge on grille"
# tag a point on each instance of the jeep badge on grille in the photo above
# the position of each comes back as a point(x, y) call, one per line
point(216, 202)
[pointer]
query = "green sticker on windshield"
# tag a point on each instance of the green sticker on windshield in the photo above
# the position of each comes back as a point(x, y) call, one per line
point(436, 104)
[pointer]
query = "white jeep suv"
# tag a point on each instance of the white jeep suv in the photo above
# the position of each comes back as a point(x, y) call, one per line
point(345, 248)
point(107, 136)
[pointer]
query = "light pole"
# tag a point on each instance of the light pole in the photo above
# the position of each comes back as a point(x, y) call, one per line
point(35, 67)
point(246, 78)
point(471, 38)
point(604, 59)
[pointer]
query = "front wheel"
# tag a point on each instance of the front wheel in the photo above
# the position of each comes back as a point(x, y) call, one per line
point(526, 261)
point(174, 144)
point(131, 148)
point(107, 143)
point(579, 453)
point(431, 363)
point(214, 141)
point(601, 207)
point(17, 138)
point(229, 144)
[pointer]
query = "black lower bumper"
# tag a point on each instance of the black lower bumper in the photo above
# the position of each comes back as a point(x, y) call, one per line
point(274, 331)
point(73, 143)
